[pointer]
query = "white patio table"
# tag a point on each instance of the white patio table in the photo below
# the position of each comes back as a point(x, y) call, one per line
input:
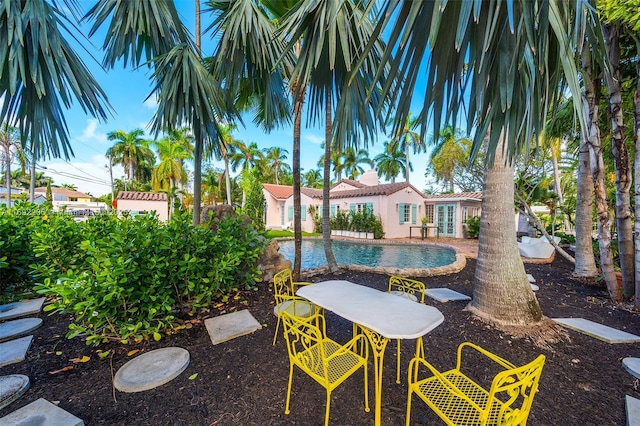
point(382, 316)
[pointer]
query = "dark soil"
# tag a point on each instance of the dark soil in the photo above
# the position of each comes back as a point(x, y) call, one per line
point(244, 381)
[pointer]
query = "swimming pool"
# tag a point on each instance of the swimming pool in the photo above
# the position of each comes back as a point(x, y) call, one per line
point(371, 254)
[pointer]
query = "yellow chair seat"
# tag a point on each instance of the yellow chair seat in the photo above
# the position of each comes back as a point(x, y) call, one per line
point(298, 308)
point(455, 408)
point(338, 369)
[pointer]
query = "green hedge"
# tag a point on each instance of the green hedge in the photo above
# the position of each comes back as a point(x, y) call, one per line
point(131, 278)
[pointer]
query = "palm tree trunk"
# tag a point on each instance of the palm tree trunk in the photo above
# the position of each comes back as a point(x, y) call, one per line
point(637, 175)
point(227, 178)
point(592, 89)
point(501, 289)
point(326, 208)
point(406, 145)
point(6, 142)
point(556, 183)
point(622, 163)
point(32, 181)
point(585, 266)
point(297, 225)
point(197, 175)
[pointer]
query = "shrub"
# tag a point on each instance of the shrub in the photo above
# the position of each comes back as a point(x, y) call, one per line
point(140, 274)
point(473, 227)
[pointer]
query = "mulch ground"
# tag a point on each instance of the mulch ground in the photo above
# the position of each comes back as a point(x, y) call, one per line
point(244, 381)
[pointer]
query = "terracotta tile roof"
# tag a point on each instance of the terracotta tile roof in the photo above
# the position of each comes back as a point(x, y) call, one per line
point(279, 192)
point(457, 196)
point(62, 191)
point(349, 182)
point(382, 189)
point(311, 192)
point(141, 196)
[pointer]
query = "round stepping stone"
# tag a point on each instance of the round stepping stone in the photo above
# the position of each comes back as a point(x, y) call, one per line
point(534, 287)
point(12, 387)
point(15, 328)
point(151, 370)
point(632, 365)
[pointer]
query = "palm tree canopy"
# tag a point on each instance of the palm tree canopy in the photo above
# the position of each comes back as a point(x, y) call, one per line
point(391, 162)
point(501, 61)
point(40, 73)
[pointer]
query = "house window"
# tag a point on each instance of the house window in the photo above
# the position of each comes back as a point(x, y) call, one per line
point(407, 213)
point(469, 213)
point(429, 212)
point(360, 207)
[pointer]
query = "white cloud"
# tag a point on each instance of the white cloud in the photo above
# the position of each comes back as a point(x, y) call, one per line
point(89, 133)
point(151, 102)
point(314, 139)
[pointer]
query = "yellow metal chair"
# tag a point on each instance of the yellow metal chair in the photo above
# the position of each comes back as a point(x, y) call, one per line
point(284, 291)
point(412, 290)
point(459, 400)
point(326, 361)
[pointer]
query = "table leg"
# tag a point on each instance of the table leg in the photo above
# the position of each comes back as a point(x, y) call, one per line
point(378, 345)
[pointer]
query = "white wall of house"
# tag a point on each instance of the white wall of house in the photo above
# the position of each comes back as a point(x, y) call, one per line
point(273, 220)
point(160, 207)
point(404, 208)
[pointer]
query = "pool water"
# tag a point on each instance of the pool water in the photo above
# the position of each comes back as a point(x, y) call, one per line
point(371, 254)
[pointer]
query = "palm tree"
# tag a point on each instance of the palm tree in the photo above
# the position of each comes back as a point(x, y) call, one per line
point(130, 149)
point(170, 171)
point(391, 162)
point(211, 185)
point(228, 149)
point(406, 138)
point(70, 186)
point(41, 74)
point(247, 156)
point(276, 157)
point(9, 140)
point(187, 93)
point(477, 57)
point(447, 155)
point(313, 179)
point(352, 160)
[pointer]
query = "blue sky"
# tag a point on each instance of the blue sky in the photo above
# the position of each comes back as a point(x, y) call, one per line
point(127, 91)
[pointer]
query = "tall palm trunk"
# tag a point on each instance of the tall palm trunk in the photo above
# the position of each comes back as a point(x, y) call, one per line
point(197, 175)
point(557, 187)
point(326, 210)
point(592, 89)
point(6, 143)
point(637, 176)
point(622, 162)
point(297, 225)
point(406, 148)
point(585, 266)
point(227, 178)
point(501, 288)
point(32, 181)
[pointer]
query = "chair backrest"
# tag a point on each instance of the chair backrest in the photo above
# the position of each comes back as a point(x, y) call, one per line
point(409, 286)
point(515, 388)
point(283, 285)
point(304, 341)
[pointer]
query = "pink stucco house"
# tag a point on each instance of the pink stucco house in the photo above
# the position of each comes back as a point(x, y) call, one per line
point(142, 202)
point(399, 205)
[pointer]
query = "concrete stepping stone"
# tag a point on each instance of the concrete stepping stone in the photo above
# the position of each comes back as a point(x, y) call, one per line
point(530, 278)
point(151, 369)
point(229, 326)
point(12, 387)
point(19, 327)
point(633, 410)
point(534, 287)
point(14, 350)
point(20, 309)
point(599, 331)
point(632, 365)
point(445, 294)
point(41, 413)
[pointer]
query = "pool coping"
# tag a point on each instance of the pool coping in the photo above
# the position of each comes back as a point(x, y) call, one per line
point(458, 264)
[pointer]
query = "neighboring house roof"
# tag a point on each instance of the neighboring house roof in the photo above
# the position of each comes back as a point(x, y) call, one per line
point(141, 196)
point(312, 192)
point(63, 191)
point(460, 196)
point(349, 182)
point(279, 192)
point(382, 189)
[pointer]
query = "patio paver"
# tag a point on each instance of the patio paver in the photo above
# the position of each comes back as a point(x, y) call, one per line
point(445, 294)
point(599, 331)
point(20, 309)
point(151, 369)
point(12, 387)
point(41, 413)
point(14, 350)
point(229, 326)
point(633, 410)
point(19, 327)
